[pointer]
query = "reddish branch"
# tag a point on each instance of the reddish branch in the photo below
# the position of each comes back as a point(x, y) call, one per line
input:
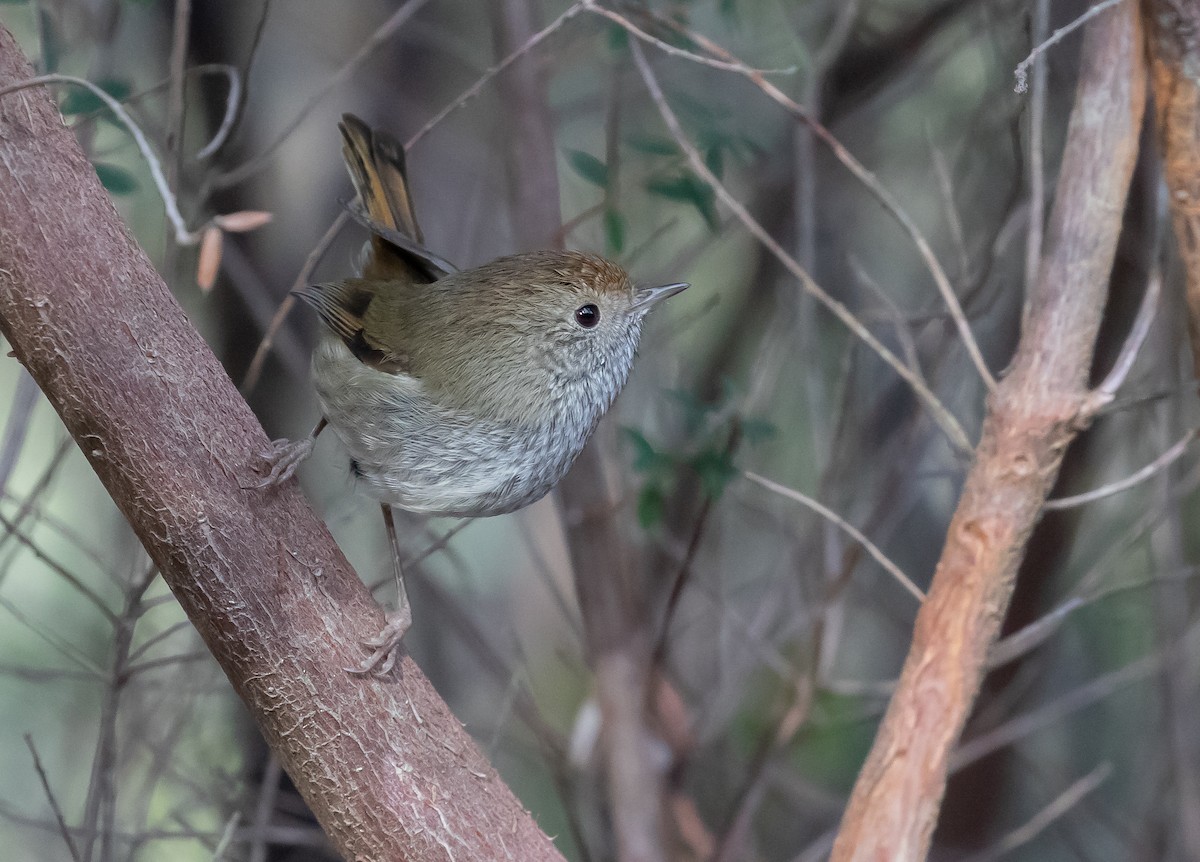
point(1035, 412)
point(387, 769)
point(1173, 39)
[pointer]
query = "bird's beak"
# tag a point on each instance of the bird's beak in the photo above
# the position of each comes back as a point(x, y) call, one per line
point(645, 297)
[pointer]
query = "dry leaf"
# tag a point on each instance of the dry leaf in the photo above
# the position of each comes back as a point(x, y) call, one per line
point(241, 222)
point(210, 259)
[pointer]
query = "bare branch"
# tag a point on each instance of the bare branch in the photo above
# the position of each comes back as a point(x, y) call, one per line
point(868, 179)
point(1058, 807)
point(842, 524)
point(1021, 72)
point(52, 799)
point(941, 415)
point(1162, 462)
point(377, 39)
point(1035, 413)
point(472, 91)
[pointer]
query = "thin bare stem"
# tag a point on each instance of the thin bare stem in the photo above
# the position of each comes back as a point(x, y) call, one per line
point(176, 80)
point(868, 179)
point(844, 525)
point(1072, 701)
point(25, 396)
point(941, 415)
point(1037, 170)
point(475, 89)
point(675, 50)
point(232, 100)
point(183, 236)
point(1115, 378)
point(63, 829)
point(1022, 71)
point(1162, 462)
point(376, 40)
point(268, 792)
point(1056, 809)
point(254, 372)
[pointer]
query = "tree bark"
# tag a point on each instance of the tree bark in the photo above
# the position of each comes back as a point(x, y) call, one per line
point(1036, 411)
point(1173, 40)
point(388, 771)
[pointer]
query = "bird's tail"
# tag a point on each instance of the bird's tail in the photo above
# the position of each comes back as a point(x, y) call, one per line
point(375, 161)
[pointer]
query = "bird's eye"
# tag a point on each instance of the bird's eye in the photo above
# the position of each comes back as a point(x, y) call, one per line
point(587, 316)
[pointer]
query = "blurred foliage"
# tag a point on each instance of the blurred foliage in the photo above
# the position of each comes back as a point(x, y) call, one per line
point(785, 635)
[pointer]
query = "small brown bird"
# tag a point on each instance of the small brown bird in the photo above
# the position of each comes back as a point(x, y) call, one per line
point(462, 393)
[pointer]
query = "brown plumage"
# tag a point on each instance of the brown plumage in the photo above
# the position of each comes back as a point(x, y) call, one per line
point(465, 392)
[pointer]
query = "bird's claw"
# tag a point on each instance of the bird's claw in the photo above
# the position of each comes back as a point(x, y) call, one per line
point(384, 645)
point(280, 460)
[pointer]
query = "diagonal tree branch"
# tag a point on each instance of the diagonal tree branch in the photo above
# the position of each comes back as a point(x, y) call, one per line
point(1034, 414)
point(387, 769)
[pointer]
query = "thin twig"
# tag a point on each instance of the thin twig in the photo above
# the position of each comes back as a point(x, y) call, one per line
point(1072, 701)
point(1115, 378)
point(1021, 72)
point(183, 236)
point(13, 529)
point(941, 415)
point(868, 179)
point(834, 518)
point(474, 90)
point(176, 79)
point(236, 106)
point(264, 808)
point(675, 50)
point(1059, 806)
point(25, 396)
point(233, 99)
point(369, 47)
point(1037, 171)
point(1162, 462)
point(310, 263)
point(227, 836)
point(63, 829)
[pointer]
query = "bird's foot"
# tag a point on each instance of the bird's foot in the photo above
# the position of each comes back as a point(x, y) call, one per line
point(280, 460)
point(384, 645)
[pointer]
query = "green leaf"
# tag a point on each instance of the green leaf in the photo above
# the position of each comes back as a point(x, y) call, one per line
point(589, 167)
point(651, 506)
point(646, 459)
point(758, 430)
point(688, 188)
point(677, 188)
point(715, 161)
point(81, 101)
point(118, 181)
point(715, 469)
point(618, 39)
point(652, 145)
point(614, 231)
point(696, 411)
